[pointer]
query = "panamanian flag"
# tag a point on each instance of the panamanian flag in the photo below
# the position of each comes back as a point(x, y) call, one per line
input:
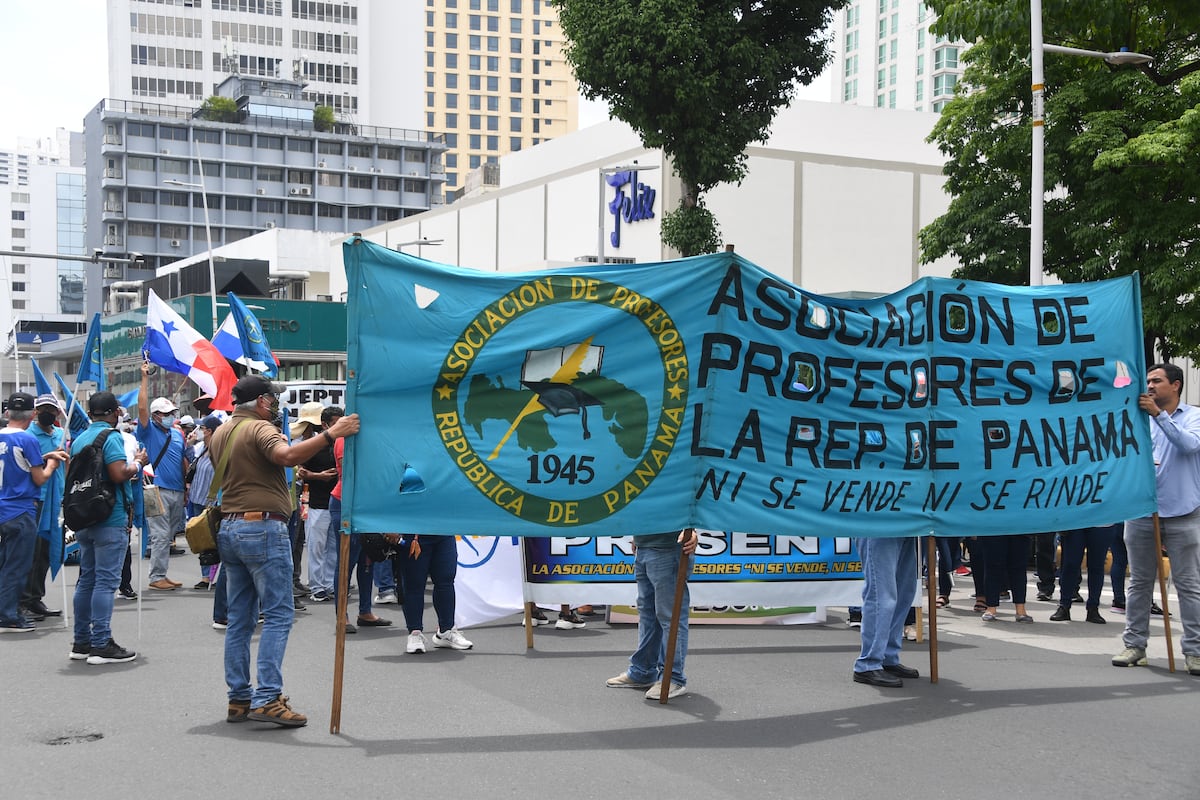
point(176, 347)
point(241, 339)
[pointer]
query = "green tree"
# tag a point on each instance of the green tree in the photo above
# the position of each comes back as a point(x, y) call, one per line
point(700, 79)
point(219, 109)
point(323, 118)
point(1121, 144)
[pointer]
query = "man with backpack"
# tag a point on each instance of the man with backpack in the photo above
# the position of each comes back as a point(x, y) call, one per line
point(24, 469)
point(99, 501)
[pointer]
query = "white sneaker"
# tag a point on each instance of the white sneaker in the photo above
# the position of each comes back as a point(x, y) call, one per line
point(385, 598)
point(416, 643)
point(623, 681)
point(655, 691)
point(453, 639)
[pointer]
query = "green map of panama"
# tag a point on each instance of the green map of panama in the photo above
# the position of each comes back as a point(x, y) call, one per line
point(545, 393)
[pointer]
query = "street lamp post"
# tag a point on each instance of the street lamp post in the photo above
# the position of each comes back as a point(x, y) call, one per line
point(424, 241)
point(212, 272)
point(1037, 177)
point(604, 172)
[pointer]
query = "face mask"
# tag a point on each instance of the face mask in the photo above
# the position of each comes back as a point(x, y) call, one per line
point(167, 420)
point(46, 418)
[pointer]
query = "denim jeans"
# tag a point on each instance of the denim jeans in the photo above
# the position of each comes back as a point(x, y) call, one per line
point(890, 573)
point(656, 570)
point(1097, 542)
point(361, 569)
point(16, 556)
point(1181, 540)
point(162, 530)
point(321, 559)
point(101, 556)
point(256, 558)
point(438, 562)
point(385, 579)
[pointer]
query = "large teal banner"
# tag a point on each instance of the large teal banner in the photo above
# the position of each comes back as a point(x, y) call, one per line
point(613, 400)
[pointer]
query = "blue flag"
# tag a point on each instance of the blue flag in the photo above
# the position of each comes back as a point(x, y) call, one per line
point(39, 380)
point(251, 342)
point(77, 418)
point(91, 365)
point(709, 392)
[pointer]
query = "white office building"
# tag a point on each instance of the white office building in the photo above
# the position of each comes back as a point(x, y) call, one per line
point(887, 57)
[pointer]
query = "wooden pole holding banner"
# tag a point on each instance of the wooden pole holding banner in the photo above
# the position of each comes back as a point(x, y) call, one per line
point(1162, 591)
point(339, 648)
point(681, 577)
point(931, 589)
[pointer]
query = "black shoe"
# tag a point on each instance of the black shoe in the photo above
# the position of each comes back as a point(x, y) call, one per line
point(1062, 614)
point(30, 614)
point(177, 551)
point(298, 588)
point(1155, 610)
point(111, 653)
point(38, 607)
point(297, 605)
point(901, 671)
point(127, 593)
point(1078, 598)
point(1045, 596)
point(877, 677)
point(350, 628)
point(1093, 615)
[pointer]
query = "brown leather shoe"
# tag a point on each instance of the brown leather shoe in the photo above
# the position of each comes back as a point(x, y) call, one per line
point(239, 711)
point(173, 583)
point(162, 585)
point(279, 712)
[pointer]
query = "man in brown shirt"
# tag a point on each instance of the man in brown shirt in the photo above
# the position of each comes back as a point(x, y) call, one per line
point(255, 548)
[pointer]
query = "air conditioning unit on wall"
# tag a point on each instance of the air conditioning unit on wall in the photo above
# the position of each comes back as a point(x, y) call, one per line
point(304, 190)
point(174, 243)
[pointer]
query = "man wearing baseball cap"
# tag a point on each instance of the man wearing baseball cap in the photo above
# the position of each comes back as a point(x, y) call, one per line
point(50, 437)
point(257, 503)
point(168, 453)
point(25, 470)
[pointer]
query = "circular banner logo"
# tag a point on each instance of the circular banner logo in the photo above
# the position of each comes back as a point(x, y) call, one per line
point(556, 426)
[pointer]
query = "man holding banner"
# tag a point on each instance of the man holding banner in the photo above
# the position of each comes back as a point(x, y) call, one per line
point(1175, 432)
point(890, 575)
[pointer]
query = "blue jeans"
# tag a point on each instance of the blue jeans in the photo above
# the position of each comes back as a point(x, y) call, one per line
point(101, 557)
point(889, 586)
point(1096, 541)
point(385, 579)
point(256, 559)
point(1181, 540)
point(1120, 565)
point(438, 562)
point(16, 556)
point(655, 569)
point(362, 575)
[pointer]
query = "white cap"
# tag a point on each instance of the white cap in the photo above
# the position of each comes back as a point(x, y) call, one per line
point(186, 420)
point(162, 405)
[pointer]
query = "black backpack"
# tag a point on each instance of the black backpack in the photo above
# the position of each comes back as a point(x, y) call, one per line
point(89, 495)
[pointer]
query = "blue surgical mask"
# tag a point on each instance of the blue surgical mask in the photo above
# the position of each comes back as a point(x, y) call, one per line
point(167, 420)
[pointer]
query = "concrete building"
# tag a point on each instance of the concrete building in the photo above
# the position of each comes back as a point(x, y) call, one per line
point(346, 52)
point(41, 299)
point(833, 201)
point(268, 167)
point(888, 58)
point(496, 80)
point(490, 74)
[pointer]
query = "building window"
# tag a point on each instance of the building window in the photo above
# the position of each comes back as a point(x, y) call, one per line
point(945, 58)
point(514, 66)
point(360, 151)
point(239, 204)
point(206, 137)
point(493, 143)
point(328, 148)
point(18, 286)
point(237, 172)
point(272, 174)
point(514, 105)
point(270, 142)
point(389, 184)
point(944, 84)
point(178, 199)
point(451, 120)
point(474, 122)
point(514, 124)
point(360, 182)
point(329, 179)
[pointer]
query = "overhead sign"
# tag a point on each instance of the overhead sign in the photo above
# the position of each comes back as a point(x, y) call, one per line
point(618, 399)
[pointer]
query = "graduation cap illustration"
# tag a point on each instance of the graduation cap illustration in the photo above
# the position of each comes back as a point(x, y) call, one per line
point(551, 373)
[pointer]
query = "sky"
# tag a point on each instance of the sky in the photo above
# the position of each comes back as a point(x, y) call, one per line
point(56, 54)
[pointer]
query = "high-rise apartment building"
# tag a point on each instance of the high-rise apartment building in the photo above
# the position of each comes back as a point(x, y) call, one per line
point(42, 203)
point(490, 74)
point(888, 58)
point(496, 79)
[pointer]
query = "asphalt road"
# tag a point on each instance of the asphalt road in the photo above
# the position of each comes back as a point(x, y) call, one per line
point(1030, 711)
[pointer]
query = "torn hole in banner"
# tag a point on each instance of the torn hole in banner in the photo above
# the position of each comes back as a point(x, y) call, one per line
point(411, 483)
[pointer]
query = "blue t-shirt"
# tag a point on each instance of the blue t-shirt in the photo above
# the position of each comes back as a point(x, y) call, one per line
point(169, 472)
point(114, 450)
point(19, 452)
point(48, 442)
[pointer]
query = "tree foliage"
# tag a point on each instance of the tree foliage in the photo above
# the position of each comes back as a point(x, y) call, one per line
point(219, 109)
point(700, 79)
point(1121, 145)
point(323, 118)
